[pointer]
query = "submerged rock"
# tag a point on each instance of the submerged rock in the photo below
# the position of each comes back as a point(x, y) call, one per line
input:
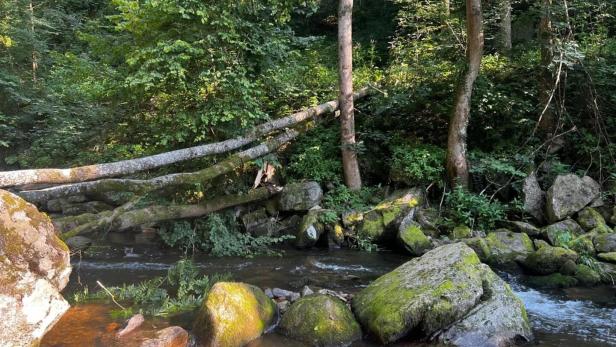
point(569, 194)
point(233, 314)
point(300, 196)
point(429, 294)
point(78, 243)
point(548, 259)
point(169, 337)
point(555, 280)
point(34, 268)
point(507, 247)
point(320, 320)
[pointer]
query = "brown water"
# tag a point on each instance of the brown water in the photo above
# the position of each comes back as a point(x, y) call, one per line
point(576, 317)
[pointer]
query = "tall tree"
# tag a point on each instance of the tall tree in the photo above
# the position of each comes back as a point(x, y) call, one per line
point(547, 120)
point(504, 32)
point(457, 163)
point(352, 177)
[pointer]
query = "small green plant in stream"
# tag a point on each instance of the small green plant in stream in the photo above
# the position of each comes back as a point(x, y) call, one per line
point(181, 290)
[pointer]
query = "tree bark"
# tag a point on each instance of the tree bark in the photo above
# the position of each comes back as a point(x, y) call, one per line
point(504, 39)
point(352, 176)
point(34, 52)
point(153, 214)
point(457, 163)
point(235, 161)
point(547, 120)
point(126, 167)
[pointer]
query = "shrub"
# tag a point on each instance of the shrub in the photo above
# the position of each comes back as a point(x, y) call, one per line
point(473, 210)
point(418, 164)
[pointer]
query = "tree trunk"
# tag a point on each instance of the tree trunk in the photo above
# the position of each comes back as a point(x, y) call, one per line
point(352, 177)
point(457, 163)
point(504, 39)
point(126, 167)
point(34, 52)
point(232, 163)
point(547, 120)
point(124, 220)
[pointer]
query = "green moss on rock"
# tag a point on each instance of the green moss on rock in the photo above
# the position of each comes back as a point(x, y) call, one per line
point(480, 246)
point(587, 276)
point(609, 257)
point(589, 219)
point(507, 247)
point(233, 314)
point(548, 259)
point(414, 240)
point(320, 320)
point(461, 232)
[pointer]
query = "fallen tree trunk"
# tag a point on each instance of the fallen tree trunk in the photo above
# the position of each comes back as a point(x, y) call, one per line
point(126, 167)
point(37, 197)
point(124, 220)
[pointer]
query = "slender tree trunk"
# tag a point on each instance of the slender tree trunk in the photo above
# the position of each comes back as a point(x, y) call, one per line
point(547, 122)
point(504, 40)
point(34, 53)
point(352, 177)
point(457, 163)
point(447, 5)
point(126, 167)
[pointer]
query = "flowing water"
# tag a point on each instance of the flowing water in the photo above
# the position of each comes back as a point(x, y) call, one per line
point(571, 318)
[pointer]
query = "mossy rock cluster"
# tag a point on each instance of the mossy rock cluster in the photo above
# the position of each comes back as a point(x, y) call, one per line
point(320, 320)
point(233, 314)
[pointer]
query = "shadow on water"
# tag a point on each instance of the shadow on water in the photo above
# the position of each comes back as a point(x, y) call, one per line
point(576, 317)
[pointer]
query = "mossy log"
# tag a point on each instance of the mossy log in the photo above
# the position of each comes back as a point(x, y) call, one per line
point(144, 186)
point(126, 167)
point(123, 218)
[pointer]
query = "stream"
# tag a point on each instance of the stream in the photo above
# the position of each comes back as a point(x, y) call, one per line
point(580, 317)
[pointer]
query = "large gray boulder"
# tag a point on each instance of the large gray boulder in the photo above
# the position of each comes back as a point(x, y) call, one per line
point(507, 247)
point(547, 260)
point(569, 194)
point(497, 321)
point(320, 320)
point(534, 198)
point(429, 294)
point(300, 196)
point(34, 268)
point(560, 232)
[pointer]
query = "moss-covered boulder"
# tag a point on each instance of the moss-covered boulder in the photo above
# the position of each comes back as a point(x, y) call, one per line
point(583, 244)
point(480, 246)
point(233, 314)
point(320, 320)
point(589, 219)
point(586, 275)
point(414, 240)
point(381, 224)
point(555, 280)
point(309, 230)
point(507, 247)
point(498, 320)
point(547, 260)
point(461, 232)
point(605, 243)
point(34, 268)
point(558, 234)
point(424, 295)
point(300, 196)
point(610, 257)
point(569, 194)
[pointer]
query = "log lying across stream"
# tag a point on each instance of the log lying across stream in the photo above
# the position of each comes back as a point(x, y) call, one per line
point(126, 167)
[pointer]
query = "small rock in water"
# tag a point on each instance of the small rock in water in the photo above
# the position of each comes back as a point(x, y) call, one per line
point(133, 323)
point(268, 292)
point(307, 291)
point(169, 337)
point(283, 306)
